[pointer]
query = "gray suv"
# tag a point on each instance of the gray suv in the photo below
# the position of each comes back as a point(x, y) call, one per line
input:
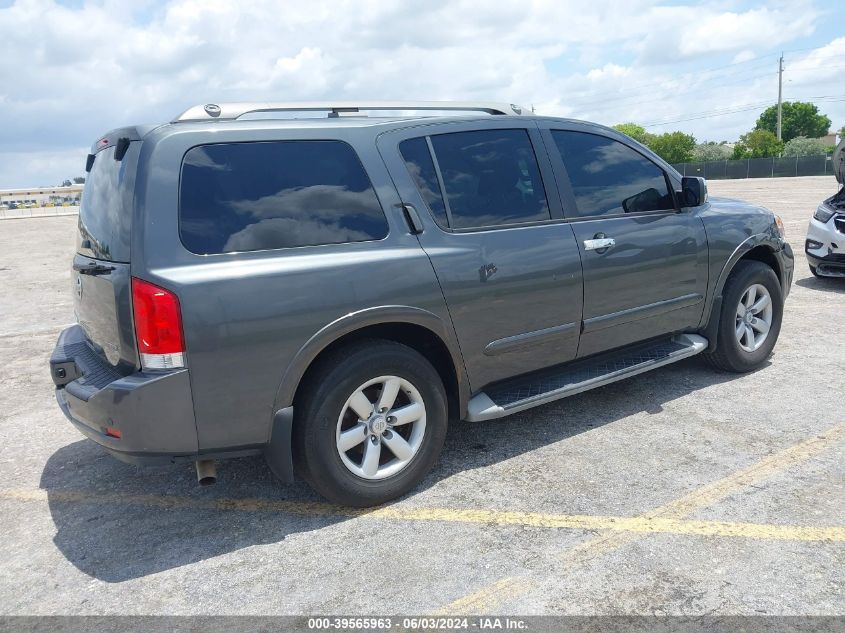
point(329, 292)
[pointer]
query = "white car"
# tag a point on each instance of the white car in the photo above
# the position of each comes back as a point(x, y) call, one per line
point(825, 245)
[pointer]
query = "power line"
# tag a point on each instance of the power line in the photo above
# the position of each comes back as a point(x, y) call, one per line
point(675, 79)
point(761, 60)
point(713, 113)
point(741, 108)
point(671, 91)
point(674, 93)
point(815, 67)
point(738, 78)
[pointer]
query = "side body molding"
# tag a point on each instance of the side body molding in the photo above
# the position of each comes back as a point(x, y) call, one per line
point(354, 321)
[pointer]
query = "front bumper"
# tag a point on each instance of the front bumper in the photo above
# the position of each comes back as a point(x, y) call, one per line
point(153, 411)
point(825, 246)
point(786, 259)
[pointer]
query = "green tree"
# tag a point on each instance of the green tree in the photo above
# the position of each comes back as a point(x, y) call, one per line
point(757, 144)
point(842, 133)
point(710, 151)
point(803, 146)
point(66, 183)
point(673, 147)
point(79, 180)
point(636, 132)
point(799, 119)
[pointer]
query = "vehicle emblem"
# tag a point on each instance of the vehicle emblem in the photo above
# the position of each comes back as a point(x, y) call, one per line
point(79, 286)
point(379, 424)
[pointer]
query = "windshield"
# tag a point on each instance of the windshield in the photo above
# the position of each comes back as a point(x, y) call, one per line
point(105, 215)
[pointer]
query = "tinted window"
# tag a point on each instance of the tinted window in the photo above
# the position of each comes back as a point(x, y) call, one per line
point(105, 214)
point(257, 196)
point(419, 164)
point(491, 177)
point(609, 177)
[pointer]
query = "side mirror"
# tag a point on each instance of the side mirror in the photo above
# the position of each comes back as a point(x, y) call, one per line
point(693, 191)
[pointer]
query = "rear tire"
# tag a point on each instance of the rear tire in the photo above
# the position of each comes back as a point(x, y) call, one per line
point(387, 454)
point(748, 325)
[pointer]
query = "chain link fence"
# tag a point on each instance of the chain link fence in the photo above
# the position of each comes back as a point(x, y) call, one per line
point(788, 166)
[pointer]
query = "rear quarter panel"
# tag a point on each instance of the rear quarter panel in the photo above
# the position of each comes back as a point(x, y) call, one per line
point(247, 315)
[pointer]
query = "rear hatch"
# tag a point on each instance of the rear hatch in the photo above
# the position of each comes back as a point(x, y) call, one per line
point(101, 281)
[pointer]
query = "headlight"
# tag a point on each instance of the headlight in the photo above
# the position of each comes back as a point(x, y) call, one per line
point(781, 229)
point(823, 213)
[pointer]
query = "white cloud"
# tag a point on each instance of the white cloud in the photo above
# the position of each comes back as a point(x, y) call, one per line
point(731, 31)
point(67, 75)
point(45, 167)
point(743, 56)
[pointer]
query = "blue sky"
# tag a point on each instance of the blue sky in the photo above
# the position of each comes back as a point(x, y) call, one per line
point(73, 69)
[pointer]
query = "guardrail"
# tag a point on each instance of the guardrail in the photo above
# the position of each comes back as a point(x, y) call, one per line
point(785, 167)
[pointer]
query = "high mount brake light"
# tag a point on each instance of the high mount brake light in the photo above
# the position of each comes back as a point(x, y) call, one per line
point(158, 326)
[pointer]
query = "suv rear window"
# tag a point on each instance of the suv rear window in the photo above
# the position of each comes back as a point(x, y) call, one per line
point(491, 178)
point(418, 161)
point(105, 214)
point(267, 195)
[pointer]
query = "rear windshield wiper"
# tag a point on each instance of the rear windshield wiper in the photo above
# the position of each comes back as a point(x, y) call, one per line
point(92, 269)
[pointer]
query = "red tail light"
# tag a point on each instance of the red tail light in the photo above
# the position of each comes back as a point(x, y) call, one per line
point(158, 326)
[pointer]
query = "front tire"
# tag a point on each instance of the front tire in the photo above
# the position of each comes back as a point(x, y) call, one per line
point(750, 318)
point(370, 423)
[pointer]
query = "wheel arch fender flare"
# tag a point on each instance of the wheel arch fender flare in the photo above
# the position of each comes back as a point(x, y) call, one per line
point(711, 314)
point(748, 245)
point(355, 321)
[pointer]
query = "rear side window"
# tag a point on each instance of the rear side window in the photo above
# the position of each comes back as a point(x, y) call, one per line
point(105, 214)
point(267, 195)
point(491, 178)
point(418, 161)
point(609, 177)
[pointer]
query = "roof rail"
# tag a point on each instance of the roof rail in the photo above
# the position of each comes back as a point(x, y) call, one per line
point(232, 111)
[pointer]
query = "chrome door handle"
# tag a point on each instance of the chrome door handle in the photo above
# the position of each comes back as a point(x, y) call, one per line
point(599, 244)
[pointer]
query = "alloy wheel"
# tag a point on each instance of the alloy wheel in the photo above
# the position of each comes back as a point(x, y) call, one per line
point(753, 317)
point(381, 427)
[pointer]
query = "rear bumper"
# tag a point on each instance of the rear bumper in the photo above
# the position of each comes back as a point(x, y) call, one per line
point(153, 412)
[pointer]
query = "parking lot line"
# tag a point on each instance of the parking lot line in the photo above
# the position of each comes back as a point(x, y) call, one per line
point(711, 493)
point(675, 511)
point(487, 596)
point(615, 531)
point(626, 525)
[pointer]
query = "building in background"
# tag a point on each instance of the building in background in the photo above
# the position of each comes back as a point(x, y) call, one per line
point(35, 197)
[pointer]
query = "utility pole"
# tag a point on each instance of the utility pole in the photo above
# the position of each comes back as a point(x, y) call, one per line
point(780, 96)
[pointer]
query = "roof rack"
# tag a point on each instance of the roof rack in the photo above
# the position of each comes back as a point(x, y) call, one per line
point(232, 111)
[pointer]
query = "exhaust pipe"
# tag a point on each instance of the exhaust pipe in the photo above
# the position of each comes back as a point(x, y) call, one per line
point(206, 472)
